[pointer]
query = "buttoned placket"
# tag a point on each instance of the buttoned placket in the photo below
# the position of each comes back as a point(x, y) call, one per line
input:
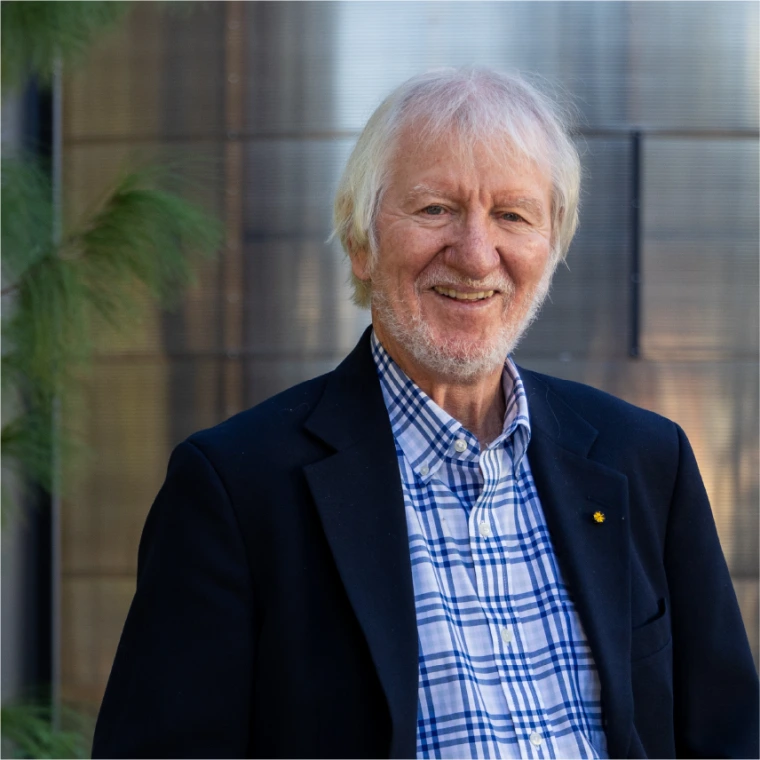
point(447, 457)
point(486, 530)
point(485, 525)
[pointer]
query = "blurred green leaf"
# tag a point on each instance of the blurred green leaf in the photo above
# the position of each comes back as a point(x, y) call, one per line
point(141, 236)
point(35, 35)
point(28, 731)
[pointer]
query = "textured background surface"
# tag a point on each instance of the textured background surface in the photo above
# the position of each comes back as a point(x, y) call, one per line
point(258, 106)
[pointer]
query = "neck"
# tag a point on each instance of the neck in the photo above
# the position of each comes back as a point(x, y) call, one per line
point(478, 404)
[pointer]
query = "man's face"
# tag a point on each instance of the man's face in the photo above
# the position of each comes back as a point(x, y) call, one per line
point(463, 260)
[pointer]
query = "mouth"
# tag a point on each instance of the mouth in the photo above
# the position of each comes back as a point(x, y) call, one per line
point(459, 295)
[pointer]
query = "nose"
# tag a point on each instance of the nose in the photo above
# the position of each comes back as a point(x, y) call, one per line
point(473, 251)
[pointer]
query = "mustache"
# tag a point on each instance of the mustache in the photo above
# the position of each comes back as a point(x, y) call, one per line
point(444, 278)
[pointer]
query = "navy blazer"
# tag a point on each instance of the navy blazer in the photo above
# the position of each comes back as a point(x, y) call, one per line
point(274, 612)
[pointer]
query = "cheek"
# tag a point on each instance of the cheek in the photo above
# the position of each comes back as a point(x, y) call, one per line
point(528, 264)
point(402, 260)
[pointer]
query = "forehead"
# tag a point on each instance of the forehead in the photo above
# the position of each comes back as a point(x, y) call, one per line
point(454, 159)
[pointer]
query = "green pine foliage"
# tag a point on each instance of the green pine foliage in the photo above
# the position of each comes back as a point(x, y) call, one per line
point(36, 35)
point(139, 237)
point(57, 285)
point(28, 731)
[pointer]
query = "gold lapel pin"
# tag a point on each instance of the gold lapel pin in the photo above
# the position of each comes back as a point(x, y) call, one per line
point(599, 517)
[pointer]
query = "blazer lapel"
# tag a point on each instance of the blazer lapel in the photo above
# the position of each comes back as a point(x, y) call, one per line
point(358, 494)
point(593, 556)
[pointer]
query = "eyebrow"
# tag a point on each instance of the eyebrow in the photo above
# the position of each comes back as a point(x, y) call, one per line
point(526, 202)
point(418, 190)
point(530, 204)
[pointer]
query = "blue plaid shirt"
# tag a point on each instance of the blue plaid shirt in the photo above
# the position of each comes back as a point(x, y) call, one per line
point(504, 666)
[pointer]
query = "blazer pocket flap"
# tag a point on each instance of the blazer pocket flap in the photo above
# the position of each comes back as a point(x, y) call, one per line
point(653, 635)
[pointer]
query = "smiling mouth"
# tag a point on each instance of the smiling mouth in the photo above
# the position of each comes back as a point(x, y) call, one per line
point(460, 296)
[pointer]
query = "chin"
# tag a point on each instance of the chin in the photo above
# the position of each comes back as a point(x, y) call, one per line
point(462, 360)
point(459, 360)
point(458, 363)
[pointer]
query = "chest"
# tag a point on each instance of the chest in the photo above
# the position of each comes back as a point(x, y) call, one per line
point(495, 621)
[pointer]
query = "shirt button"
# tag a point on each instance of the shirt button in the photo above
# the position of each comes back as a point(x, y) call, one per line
point(535, 739)
point(460, 445)
point(485, 529)
point(506, 634)
point(424, 470)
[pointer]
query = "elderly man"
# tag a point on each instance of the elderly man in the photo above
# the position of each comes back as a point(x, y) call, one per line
point(430, 552)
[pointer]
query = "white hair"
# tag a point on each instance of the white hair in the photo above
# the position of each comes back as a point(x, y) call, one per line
point(477, 106)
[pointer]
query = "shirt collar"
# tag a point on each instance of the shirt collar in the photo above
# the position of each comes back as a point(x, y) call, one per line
point(428, 435)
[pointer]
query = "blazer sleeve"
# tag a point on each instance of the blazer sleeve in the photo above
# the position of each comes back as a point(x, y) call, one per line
point(181, 681)
point(714, 678)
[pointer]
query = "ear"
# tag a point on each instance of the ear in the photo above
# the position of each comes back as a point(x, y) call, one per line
point(360, 262)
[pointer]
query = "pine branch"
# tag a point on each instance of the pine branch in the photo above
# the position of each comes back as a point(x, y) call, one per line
point(27, 443)
point(139, 237)
point(28, 731)
point(141, 234)
point(35, 35)
point(26, 216)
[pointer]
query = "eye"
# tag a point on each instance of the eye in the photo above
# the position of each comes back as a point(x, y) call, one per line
point(512, 216)
point(434, 210)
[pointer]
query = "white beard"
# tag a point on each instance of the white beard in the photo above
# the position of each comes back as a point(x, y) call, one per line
point(457, 360)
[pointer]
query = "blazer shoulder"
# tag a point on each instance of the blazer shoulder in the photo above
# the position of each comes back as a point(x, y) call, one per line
point(600, 409)
point(270, 425)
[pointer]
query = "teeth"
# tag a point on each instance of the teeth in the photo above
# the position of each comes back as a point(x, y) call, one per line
point(479, 296)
